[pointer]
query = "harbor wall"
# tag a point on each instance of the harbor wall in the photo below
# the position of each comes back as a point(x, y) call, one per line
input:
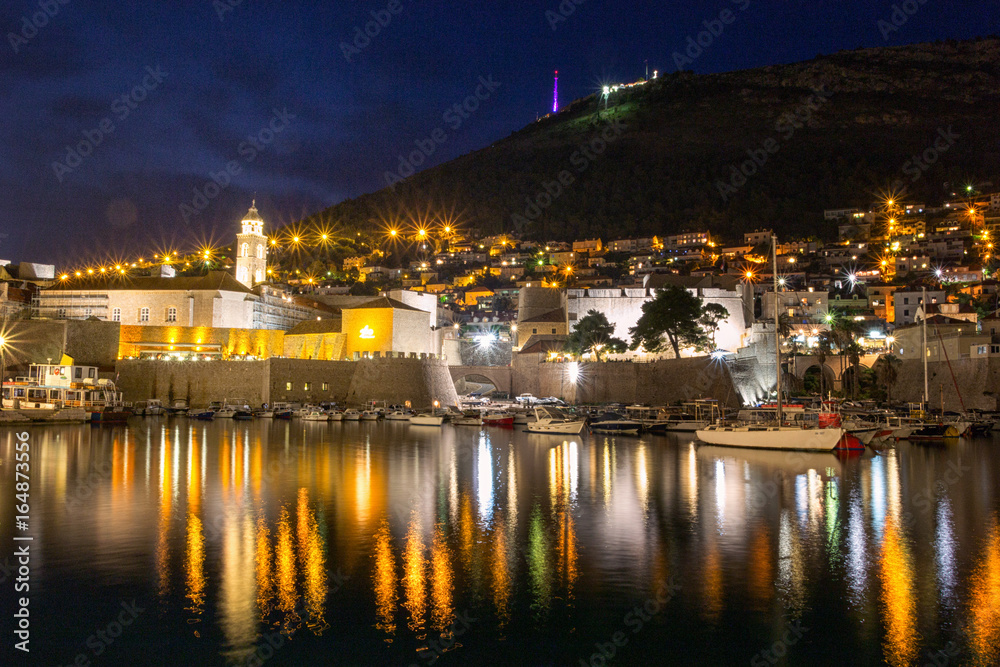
point(978, 380)
point(419, 381)
point(660, 382)
point(199, 382)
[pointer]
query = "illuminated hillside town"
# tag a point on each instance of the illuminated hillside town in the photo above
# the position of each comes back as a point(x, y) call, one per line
point(488, 334)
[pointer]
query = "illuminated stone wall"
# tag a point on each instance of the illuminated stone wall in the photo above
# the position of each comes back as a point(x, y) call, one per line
point(198, 382)
point(260, 343)
point(367, 330)
point(90, 343)
point(321, 346)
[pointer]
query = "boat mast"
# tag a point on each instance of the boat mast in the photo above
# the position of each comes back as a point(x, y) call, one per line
point(923, 298)
point(777, 338)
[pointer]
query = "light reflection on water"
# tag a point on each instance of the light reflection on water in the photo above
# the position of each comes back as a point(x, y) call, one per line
point(387, 537)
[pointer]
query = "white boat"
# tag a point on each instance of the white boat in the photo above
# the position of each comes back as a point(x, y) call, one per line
point(468, 418)
point(264, 414)
point(351, 415)
point(762, 436)
point(398, 416)
point(316, 416)
point(335, 416)
point(554, 420)
point(611, 422)
point(226, 412)
point(775, 435)
point(427, 419)
point(370, 416)
point(151, 408)
point(522, 418)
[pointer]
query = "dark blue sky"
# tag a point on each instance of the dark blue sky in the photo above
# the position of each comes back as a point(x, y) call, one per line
point(200, 77)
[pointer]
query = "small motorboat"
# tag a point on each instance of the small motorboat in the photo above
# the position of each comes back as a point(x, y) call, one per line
point(931, 432)
point(427, 419)
point(555, 421)
point(335, 416)
point(264, 414)
point(203, 415)
point(370, 416)
point(227, 412)
point(398, 416)
point(470, 418)
point(351, 415)
point(612, 422)
point(498, 418)
point(316, 416)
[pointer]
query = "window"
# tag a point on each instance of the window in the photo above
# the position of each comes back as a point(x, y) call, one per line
point(260, 251)
point(171, 314)
point(78, 373)
point(144, 314)
point(906, 313)
point(245, 250)
point(116, 314)
point(88, 312)
point(906, 300)
point(326, 386)
point(93, 372)
point(307, 386)
point(60, 312)
point(534, 331)
point(288, 386)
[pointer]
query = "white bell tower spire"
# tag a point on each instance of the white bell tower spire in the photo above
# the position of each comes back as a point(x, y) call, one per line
point(251, 249)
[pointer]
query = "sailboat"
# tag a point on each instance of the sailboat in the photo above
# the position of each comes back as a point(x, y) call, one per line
point(776, 435)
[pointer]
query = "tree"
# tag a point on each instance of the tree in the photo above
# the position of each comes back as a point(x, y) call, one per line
point(673, 313)
point(593, 333)
point(887, 372)
point(711, 315)
point(363, 289)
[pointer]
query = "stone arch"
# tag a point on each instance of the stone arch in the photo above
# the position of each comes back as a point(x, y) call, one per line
point(499, 376)
point(829, 376)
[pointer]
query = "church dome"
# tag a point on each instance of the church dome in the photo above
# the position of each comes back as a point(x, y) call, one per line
point(252, 215)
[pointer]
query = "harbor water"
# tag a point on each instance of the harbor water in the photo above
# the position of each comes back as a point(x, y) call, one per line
point(168, 541)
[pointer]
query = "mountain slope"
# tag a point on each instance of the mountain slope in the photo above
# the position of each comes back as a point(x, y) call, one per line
point(827, 133)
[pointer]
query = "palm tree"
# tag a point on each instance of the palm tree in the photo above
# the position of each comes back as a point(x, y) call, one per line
point(887, 371)
point(822, 351)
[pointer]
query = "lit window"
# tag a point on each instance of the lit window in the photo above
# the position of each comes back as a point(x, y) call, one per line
point(288, 386)
point(245, 250)
point(326, 386)
point(116, 314)
point(171, 314)
point(144, 314)
point(307, 386)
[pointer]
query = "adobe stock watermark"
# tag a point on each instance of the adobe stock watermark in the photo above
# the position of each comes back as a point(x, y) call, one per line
point(454, 117)
point(581, 159)
point(223, 7)
point(779, 649)
point(248, 150)
point(786, 126)
point(899, 17)
point(121, 108)
point(562, 12)
point(435, 648)
point(30, 25)
point(635, 619)
point(362, 38)
point(918, 165)
point(698, 44)
point(107, 634)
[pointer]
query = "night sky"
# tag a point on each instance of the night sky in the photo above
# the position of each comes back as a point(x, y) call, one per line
point(199, 78)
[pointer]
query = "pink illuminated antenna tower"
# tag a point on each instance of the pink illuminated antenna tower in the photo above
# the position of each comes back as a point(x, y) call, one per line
point(555, 94)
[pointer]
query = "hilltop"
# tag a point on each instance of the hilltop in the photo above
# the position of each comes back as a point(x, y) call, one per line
point(830, 132)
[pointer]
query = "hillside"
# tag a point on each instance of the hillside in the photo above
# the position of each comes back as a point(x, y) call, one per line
point(862, 115)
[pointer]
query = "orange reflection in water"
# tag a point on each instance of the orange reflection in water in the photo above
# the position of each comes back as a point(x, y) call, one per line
point(899, 601)
point(984, 602)
point(414, 578)
point(712, 584)
point(760, 573)
point(163, 526)
point(385, 581)
point(284, 557)
point(312, 556)
point(263, 564)
point(442, 583)
point(194, 566)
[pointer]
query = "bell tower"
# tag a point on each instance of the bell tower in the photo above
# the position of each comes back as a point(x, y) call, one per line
point(251, 249)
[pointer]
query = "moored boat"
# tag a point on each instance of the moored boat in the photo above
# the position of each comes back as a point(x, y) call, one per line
point(555, 421)
point(498, 418)
point(351, 415)
point(612, 422)
point(427, 419)
point(470, 418)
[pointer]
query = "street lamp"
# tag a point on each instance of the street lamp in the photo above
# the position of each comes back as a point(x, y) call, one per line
point(3, 361)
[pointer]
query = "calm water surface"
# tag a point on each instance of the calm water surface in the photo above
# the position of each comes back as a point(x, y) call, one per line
point(293, 543)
